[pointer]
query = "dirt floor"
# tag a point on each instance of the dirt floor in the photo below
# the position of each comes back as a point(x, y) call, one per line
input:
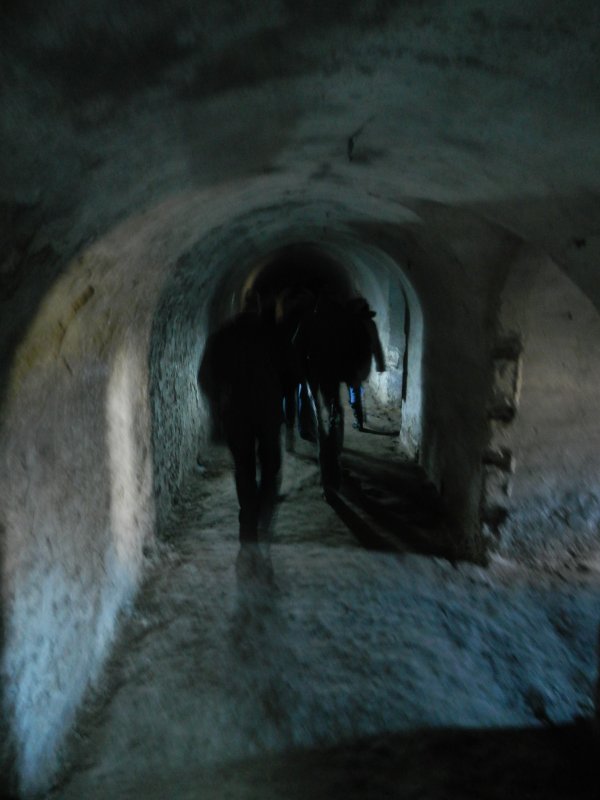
point(364, 667)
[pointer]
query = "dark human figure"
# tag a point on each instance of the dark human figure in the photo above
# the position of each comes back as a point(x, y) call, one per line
point(292, 306)
point(336, 343)
point(365, 345)
point(307, 416)
point(355, 397)
point(240, 374)
point(323, 343)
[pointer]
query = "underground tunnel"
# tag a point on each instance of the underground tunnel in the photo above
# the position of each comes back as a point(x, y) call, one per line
point(435, 626)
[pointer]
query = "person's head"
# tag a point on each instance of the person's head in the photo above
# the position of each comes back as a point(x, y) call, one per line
point(251, 301)
point(359, 306)
point(293, 300)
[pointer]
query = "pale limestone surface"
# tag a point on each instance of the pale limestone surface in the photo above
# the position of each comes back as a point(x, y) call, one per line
point(154, 154)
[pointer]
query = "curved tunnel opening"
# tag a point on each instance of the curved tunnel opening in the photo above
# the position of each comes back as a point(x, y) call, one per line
point(344, 271)
point(296, 267)
point(442, 161)
point(340, 267)
point(198, 283)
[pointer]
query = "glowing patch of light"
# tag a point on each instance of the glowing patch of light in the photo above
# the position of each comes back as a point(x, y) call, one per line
point(130, 479)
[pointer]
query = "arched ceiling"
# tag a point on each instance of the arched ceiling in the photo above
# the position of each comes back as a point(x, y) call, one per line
point(493, 108)
point(147, 147)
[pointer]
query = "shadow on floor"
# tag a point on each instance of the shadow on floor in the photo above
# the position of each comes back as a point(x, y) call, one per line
point(392, 506)
point(558, 763)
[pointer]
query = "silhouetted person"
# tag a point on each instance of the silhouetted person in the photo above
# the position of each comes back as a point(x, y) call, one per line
point(240, 375)
point(320, 344)
point(336, 343)
point(292, 306)
point(364, 344)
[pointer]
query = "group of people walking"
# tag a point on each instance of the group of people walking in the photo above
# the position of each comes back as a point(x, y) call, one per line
point(283, 362)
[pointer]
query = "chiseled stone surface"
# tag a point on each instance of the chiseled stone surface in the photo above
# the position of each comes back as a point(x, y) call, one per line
point(153, 154)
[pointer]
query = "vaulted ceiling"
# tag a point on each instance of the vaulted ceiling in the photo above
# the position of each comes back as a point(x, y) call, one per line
point(108, 107)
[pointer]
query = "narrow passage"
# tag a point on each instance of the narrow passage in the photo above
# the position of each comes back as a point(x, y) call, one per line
point(360, 673)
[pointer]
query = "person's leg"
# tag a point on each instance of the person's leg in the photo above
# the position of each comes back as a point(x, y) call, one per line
point(269, 456)
point(356, 392)
point(241, 442)
point(331, 435)
point(290, 413)
point(362, 405)
point(289, 406)
point(307, 422)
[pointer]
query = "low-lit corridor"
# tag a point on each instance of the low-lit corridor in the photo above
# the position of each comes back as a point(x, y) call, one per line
point(430, 630)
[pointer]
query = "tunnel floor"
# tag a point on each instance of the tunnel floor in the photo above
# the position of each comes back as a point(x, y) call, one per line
point(366, 669)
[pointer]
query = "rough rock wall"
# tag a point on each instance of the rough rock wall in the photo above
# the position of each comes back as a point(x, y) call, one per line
point(113, 109)
point(72, 555)
point(79, 472)
point(75, 491)
point(103, 417)
point(553, 498)
point(453, 260)
point(102, 414)
point(179, 332)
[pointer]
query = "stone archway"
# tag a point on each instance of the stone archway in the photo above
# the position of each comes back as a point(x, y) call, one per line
point(541, 494)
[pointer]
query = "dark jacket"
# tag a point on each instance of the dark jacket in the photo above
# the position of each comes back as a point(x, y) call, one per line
point(337, 342)
point(240, 375)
